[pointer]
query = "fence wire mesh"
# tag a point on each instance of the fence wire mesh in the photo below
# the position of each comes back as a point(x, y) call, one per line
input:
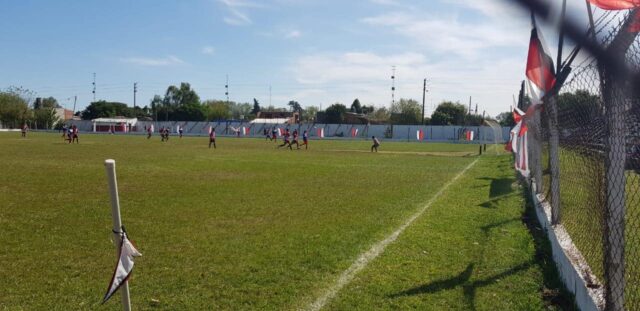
point(598, 115)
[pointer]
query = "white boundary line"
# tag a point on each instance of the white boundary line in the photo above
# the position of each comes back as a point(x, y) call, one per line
point(363, 260)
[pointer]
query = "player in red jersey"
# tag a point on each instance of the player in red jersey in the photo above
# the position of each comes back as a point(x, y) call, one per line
point(212, 138)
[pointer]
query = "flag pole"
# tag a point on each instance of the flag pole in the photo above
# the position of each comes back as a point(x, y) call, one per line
point(110, 166)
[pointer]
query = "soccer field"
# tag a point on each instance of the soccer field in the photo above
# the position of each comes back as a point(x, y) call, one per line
point(250, 226)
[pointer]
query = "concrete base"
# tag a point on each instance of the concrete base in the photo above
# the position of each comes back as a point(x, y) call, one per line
point(573, 268)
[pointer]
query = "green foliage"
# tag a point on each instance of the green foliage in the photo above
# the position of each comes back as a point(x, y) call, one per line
point(449, 113)
point(256, 107)
point(309, 113)
point(406, 111)
point(356, 107)
point(579, 107)
point(105, 109)
point(334, 113)
point(179, 104)
point(217, 110)
point(506, 119)
point(368, 109)
point(295, 106)
point(45, 117)
point(381, 115)
point(14, 110)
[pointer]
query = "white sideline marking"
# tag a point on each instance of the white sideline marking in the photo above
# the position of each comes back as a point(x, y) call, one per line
point(363, 260)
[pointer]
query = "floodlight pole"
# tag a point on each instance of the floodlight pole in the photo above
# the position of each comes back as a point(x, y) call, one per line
point(424, 92)
point(110, 166)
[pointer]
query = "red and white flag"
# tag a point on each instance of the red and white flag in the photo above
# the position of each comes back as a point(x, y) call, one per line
point(616, 4)
point(420, 135)
point(246, 131)
point(354, 132)
point(540, 71)
point(124, 266)
point(210, 129)
point(321, 132)
point(518, 142)
point(469, 135)
point(280, 132)
point(621, 5)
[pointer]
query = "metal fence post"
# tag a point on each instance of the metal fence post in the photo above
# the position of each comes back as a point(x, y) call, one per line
point(554, 159)
point(615, 180)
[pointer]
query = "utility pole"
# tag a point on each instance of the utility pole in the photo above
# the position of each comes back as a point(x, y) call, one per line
point(469, 105)
point(75, 99)
point(135, 90)
point(393, 85)
point(94, 87)
point(476, 108)
point(424, 92)
point(226, 89)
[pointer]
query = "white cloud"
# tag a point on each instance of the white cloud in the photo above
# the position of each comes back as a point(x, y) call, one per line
point(208, 50)
point(293, 34)
point(340, 77)
point(237, 15)
point(449, 35)
point(148, 61)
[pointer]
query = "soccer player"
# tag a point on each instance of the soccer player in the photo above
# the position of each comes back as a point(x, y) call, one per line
point(286, 140)
point(180, 131)
point(266, 133)
point(24, 130)
point(295, 140)
point(64, 130)
point(212, 138)
point(305, 140)
point(74, 134)
point(274, 135)
point(376, 144)
point(148, 132)
point(166, 133)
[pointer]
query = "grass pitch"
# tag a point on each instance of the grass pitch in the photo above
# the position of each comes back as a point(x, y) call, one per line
point(249, 226)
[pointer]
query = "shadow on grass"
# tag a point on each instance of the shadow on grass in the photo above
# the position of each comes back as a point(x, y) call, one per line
point(463, 280)
point(553, 292)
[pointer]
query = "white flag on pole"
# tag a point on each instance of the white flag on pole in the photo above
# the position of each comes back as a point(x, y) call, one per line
point(124, 266)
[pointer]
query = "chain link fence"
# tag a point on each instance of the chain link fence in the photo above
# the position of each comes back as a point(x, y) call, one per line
point(596, 172)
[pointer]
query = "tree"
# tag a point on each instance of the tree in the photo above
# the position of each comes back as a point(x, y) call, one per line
point(295, 106)
point(449, 113)
point(356, 107)
point(578, 108)
point(309, 113)
point(183, 95)
point(14, 110)
point(334, 113)
point(406, 111)
point(381, 115)
point(217, 110)
point(256, 107)
point(105, 109)
point(506, 119)
point(368, 109)
point(45, 117)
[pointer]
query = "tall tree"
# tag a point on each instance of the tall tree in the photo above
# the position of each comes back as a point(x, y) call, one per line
point(356, 107)
point(334, 113)
point(217, 110)
point(295, 106)
point(256, 107)
point(449, 113)
point(406, 111)
point(14, 110)
point(309, 113)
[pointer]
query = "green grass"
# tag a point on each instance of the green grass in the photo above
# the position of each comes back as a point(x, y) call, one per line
point(244, 226)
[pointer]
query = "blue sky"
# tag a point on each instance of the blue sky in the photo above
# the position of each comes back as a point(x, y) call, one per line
point(316, 52)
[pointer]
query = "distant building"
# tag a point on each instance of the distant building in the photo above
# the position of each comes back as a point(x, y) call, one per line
point(277, 117)
point(63, 114)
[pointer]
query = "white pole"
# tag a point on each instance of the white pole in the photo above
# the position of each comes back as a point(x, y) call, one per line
point(110, 166)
